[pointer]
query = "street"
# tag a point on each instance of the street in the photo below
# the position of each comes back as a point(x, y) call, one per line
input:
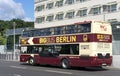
point(13, 68)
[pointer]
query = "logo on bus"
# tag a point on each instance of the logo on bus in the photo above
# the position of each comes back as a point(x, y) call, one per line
point(103, 28)
point(85, 37)
point(23, 41)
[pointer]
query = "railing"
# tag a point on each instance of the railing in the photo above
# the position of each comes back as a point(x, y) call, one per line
point(9, 56)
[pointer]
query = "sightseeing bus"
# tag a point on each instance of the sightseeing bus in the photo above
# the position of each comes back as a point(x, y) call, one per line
point(81, 44)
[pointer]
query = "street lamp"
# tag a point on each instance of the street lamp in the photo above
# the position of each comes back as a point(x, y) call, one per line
point(6, 45)
point(14, 57)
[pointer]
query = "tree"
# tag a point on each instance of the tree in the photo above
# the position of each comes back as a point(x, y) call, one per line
point(2, 40)
point(4, 25)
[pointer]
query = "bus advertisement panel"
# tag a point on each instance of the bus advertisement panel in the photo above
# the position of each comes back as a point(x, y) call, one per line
point(67, 39)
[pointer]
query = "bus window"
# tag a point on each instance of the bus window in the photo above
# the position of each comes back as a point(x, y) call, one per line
point(65, 49)
point(74, 49)
point(57, 30)
point(23, 50)
point(84, 28)
point(63, 30)
point(47, 31)
point(52, 31)
point(57, 49)
point(39, 49)
point(47, 51)
point(70, 49)
point(70, 29)
point(29, 49)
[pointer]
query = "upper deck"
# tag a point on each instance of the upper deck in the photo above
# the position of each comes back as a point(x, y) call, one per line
point(75, 28)
point(88, 31)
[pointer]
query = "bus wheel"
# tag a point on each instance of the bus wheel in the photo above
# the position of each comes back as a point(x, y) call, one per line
point(65, 64)
point(31, 61)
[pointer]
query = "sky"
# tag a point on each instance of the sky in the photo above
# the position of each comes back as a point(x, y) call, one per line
point(22, 9)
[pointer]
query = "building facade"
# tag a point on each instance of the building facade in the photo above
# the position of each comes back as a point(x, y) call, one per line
point(50, 13)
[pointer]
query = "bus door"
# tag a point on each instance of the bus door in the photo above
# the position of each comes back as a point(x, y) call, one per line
point(47, 56)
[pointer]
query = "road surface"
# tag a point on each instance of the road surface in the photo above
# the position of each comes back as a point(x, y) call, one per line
point(13, 68)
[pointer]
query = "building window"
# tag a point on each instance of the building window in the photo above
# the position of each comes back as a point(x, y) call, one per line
point(50, 18)
point(49, 5)
point(96, 10)
point(110, 8)
point(69, 2)
point(82, 13)
point(59, 3)
point(40, 8)
point(40, 20)
point(70, 14)
point(59, 16)
point(81, 0)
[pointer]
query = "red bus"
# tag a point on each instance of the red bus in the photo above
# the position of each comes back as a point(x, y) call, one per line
point(82, 44)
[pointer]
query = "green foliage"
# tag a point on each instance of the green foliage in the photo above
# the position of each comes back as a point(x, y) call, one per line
point(2, 40)
point(4, 25)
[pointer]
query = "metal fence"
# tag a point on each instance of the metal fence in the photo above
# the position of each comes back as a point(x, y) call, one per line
point(9, 56)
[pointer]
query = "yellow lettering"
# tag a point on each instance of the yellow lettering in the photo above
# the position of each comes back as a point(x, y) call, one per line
point(61, 39)
point(57, 39)
point(100, 37)
point(66, 39)
point(73, 39)
point(42, 40)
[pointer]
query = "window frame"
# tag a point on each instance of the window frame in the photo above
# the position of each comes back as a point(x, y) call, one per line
point(40, 20)
point(59, 16)
point(40, 8)
point(70, 14)
point(50, 18)
point(69, 2)
point(96, 10)
point(82, 12)
point(50, 5)
point(59, 3)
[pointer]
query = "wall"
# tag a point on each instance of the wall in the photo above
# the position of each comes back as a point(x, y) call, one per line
point(116, 61)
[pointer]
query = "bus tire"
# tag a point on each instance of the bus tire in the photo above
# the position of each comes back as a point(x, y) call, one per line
point(65, 64)
point(31, 61)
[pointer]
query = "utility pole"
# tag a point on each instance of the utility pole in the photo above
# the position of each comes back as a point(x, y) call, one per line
point(14, 56)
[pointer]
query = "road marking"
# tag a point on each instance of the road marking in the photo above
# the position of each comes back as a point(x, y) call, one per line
point(58, 72)
point(18, 67)
point(16, 75)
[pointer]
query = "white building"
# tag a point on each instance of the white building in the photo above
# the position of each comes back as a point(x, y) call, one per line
point(62, 12)
point(50, 13)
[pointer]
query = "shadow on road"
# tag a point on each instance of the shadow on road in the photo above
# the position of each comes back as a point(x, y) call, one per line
point(91, 69)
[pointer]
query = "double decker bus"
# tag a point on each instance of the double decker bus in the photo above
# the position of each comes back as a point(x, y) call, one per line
point(81, 44)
